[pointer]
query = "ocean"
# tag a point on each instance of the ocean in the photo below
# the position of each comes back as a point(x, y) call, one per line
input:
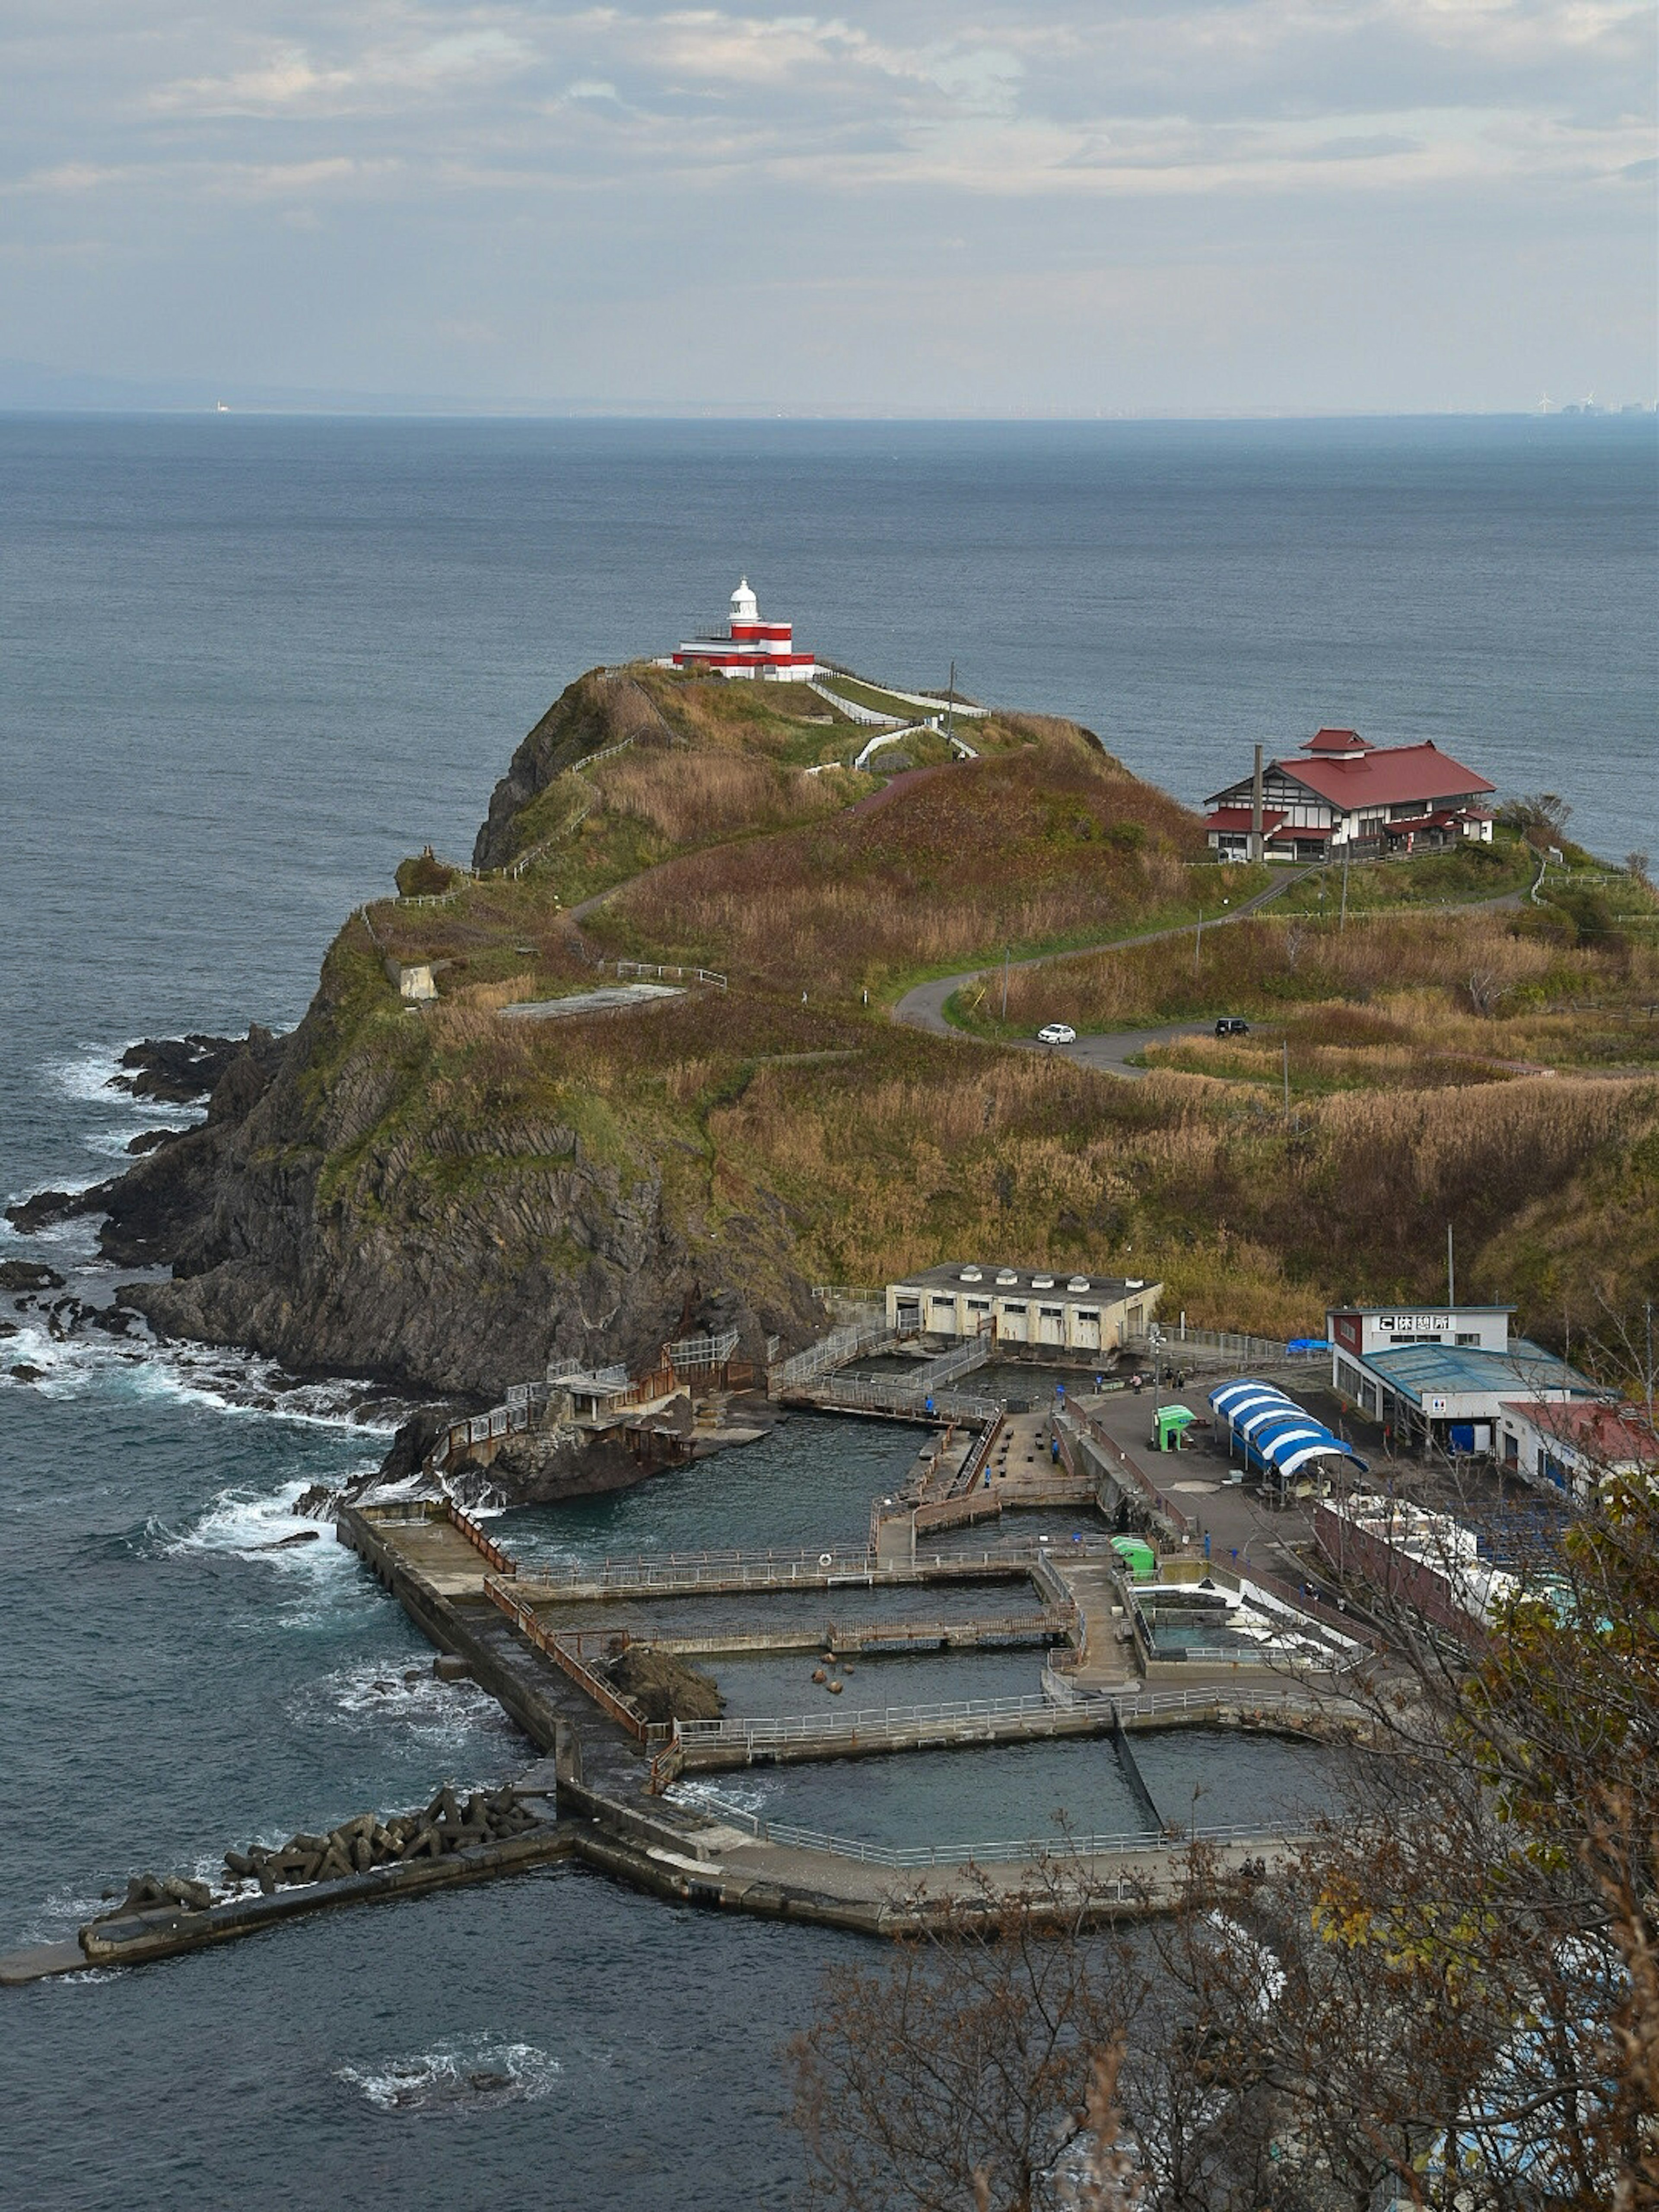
point(246, 664)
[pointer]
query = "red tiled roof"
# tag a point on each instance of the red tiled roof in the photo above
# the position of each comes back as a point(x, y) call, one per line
point(1337, 741)
point(1601, 1432)
point(1387, 776)
point(1238, 818)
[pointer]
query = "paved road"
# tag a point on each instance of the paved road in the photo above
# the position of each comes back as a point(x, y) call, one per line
point(1110, 1051)
point(923, 1008)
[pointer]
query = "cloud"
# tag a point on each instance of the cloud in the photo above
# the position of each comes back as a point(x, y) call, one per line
point(603, 151)
point(286, 79)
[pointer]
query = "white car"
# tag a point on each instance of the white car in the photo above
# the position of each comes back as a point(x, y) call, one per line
point(1056, 1033)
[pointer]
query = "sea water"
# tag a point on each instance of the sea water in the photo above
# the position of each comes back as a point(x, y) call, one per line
point(245, 666)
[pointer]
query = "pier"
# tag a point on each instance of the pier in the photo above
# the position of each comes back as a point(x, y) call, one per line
point(604, 1791)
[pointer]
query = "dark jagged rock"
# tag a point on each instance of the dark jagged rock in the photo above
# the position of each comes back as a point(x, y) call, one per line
point(108, 1321)
point(326, 1215)
point(176, 1070)
point(46, 1208)
point(543, 1467)
point(664, 1687)
point(23, 1372)
point(28, 1275)
point(466, 1296)
point(151, 1140)
point(414, 1440)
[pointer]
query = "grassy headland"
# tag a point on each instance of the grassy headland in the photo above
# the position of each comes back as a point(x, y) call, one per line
point(788, 1129)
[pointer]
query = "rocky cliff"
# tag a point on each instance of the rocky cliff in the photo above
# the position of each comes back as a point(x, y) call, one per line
point(303, 1221)
point(441, 1204)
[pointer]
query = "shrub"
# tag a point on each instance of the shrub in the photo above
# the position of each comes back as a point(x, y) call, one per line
point(424, 876)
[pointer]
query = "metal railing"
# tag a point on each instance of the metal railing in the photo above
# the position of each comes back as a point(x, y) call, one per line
point(940, 699)
point(830, 1353)
point(1247, 1350)
point(688, 1352)
point(854, 709)
point(664, 973)
point(1073, 1422)
point(478, 1537)
point(879, 1395)
point(877, 1722)
point(1028, 1849)
point(523, 1619)
point(482, 1428)
point(845, 1639)
point(770, 1570)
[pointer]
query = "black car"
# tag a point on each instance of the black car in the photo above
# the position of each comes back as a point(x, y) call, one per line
point(1230, 1025)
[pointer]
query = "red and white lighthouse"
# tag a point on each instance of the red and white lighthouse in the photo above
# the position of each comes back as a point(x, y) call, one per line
point(749, 647)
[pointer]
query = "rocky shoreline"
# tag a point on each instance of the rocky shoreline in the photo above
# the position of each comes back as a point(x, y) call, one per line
point(259, 1262)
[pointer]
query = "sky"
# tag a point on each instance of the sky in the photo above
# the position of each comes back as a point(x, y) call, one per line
point(1072, 207)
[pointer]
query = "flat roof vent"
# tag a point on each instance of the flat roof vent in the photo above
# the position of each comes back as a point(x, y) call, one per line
point(972, 1275)
point(1135, 1282)
point(1043, 1282)
point(1007, 1275)
point(1078, 1283)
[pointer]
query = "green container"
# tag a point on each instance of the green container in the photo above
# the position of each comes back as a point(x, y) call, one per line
point(1138, 1556)
point(1170, 1425)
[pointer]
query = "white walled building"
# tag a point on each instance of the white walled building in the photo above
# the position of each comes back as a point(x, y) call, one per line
point(1024, 1305)
point(1443, 1372)
point(1347, 795)
point(749, 647)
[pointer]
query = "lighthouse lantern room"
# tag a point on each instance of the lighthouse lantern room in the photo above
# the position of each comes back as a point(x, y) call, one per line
point(749, 647)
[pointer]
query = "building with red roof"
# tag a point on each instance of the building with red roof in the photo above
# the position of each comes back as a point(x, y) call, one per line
point(1344, 795)
point(1571, 1444)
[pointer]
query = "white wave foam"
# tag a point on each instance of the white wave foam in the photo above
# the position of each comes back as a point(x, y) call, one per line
point(471, 2073)
point(393, 1692)
point(714, 1797)
point(219, 1378)
point(59, 1914)
point(249, 1524)
point(86, 1075)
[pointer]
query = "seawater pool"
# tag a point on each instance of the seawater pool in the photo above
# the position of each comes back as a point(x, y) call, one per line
point(974, 1795)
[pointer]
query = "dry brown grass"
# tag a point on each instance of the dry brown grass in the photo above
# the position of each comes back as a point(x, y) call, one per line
point(1050, 842)
point(689, 797)
point(1250, 1224)
point(1399, 1001)
point(490, 997)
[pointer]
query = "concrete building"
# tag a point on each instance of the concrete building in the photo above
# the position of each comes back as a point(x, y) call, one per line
point(1570, 1444)
point(1443, 1374)
point(749, 647)
point(1349, 796)
point(1426, 1562)
point(1023, 1305)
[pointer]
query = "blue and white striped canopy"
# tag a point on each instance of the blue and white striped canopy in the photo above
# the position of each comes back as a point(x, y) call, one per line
point(1281, 1434)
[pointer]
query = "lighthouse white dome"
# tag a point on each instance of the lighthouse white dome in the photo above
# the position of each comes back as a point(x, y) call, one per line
point(745, 606)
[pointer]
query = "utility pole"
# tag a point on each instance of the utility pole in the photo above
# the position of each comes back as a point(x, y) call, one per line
point(1255, 809)
point(950, 708)
point(1451, 1270)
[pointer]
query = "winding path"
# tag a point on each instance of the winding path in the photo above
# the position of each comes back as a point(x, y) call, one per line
point(923, 1006)
point(1109, 1051)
